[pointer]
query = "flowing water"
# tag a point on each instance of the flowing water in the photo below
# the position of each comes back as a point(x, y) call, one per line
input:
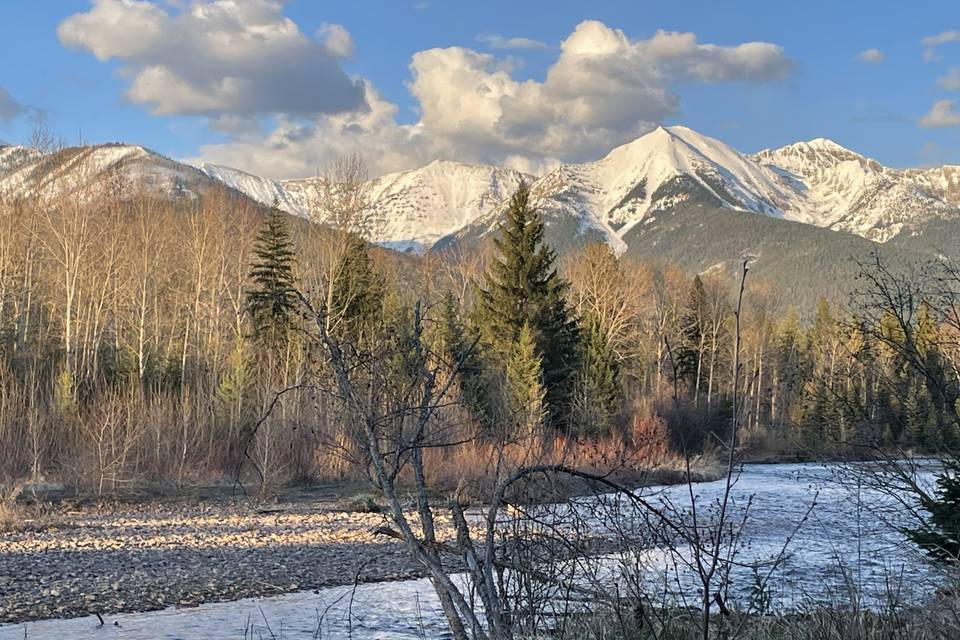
point(849, 543)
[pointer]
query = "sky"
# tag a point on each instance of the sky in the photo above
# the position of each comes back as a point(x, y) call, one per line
point(282, 88)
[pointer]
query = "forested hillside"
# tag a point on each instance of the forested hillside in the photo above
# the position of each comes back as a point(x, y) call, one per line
point(146, 339)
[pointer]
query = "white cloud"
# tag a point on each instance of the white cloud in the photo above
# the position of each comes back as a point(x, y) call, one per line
point(337, 40)
point(942, 114)
point(951, 81)
point(604, 89)
point(930, 53)
point(421, 6)
point(495, 41)
point(872, 56)
point(944, 37)
point(217, 57)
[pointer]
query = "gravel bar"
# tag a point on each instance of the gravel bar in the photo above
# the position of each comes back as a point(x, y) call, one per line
point(155, 556)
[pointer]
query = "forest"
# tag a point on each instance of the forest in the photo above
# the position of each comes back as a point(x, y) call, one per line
point(149, 340)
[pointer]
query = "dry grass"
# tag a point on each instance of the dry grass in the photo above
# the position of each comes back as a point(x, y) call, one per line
point(639, 457)
point(938, 620)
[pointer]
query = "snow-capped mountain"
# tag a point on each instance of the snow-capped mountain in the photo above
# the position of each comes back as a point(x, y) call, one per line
point(264, 190)
point(817, 182)
point(843, 190)
point(613, 199)
point(664, 169)
point(406, 210)
point(91, 171)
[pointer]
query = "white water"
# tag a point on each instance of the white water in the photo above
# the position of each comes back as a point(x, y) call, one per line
point(848, 541)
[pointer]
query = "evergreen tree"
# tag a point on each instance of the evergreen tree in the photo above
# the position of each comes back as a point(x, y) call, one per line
point(356, 294)
point(690, 354)
point(599, 380)
point(526, 395)
point(457, 344)
point(940, 537)
point(272, 301)
point(524, 289)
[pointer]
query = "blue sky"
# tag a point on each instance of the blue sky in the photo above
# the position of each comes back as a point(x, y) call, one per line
point(811, 84)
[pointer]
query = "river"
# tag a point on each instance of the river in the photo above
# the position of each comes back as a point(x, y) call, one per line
point(849, 544)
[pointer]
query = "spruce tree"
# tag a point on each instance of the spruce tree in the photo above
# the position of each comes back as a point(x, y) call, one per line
point(457, 344)
point(272, 301)
point(523, 288)
point(356, 294)
point(525, 392)
point(599, 380)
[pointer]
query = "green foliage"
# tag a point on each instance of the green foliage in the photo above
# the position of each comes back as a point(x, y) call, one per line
point(693, 323)
point(457, 345)
point(526, 395)
point(523, 289)
point(65, 394)
point(234, 398)
point(272, 301)
point(356, 294)
point(940, 535)
point(600, 397)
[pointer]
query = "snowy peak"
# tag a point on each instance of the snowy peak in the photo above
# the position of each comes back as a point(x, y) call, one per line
point(408, 210)
point(90, 171)
point(12, 156)
point(844, 190)
point(668, 168)
point(263, 190)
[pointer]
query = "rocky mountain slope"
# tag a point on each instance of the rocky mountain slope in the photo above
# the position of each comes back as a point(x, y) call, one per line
point(817, 183)
point(408, 209)
point(91, 171)
point(839, 189)
point(617, 199)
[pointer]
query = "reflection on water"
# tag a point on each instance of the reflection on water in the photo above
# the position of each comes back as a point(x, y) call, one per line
point(850, 543)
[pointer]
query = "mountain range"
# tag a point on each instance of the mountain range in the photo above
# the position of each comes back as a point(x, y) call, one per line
point(672, 192)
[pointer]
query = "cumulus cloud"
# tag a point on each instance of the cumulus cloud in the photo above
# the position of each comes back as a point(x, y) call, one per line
point(943, 114)
point(496, 41)
point(217, 57)
point(337, 40)
point(872, 56)
point(951, 81)
point(604, 89)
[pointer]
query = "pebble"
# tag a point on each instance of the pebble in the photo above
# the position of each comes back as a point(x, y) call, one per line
point(156, 556)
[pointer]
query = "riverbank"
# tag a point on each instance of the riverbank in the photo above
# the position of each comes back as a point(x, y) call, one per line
point(147, 557)
point(79, 556)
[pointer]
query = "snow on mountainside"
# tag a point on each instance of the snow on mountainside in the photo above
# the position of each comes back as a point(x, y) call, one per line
point(843, 190)
point(665, 168)
point(93, 170)
point(408, 210)
point(12, 157)
point(817, 182)
point(668, 170)
point(263, 190)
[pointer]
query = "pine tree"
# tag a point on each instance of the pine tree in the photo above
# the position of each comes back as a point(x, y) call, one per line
point(599, 380)
point(272, 301)
point(524, 289)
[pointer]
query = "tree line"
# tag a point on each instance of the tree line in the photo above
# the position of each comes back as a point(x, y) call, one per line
point(154, 340)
